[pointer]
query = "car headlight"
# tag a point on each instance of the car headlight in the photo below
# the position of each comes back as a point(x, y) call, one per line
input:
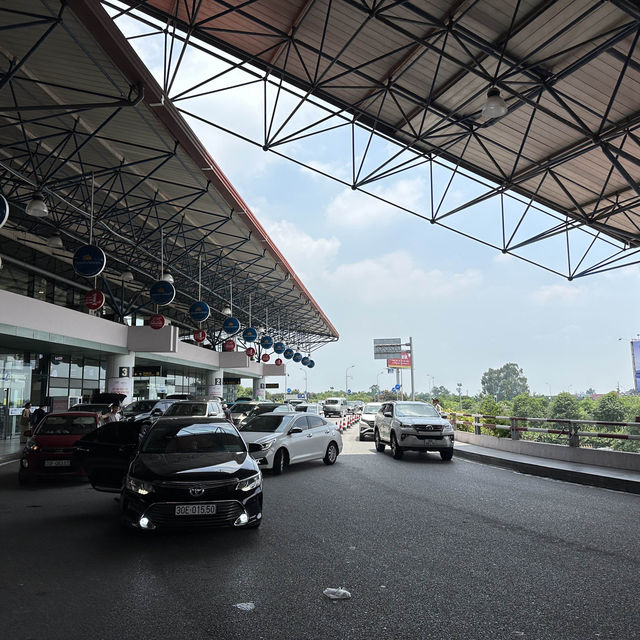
point(266, 445)
point(32, 446)
point(447, 428)
point(138, 486)
point(253, 482)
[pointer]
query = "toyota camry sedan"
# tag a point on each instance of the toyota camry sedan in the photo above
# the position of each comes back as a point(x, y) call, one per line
point(189, 472)
point(287, 438)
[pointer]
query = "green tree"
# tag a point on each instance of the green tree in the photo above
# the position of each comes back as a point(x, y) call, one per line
point(527, 406)
point(565, 406)
point(504, 383)
point(610, 408)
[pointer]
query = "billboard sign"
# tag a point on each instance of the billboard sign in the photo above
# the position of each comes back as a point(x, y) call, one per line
point(384, 348)
point(635, 357)
point(403, 362)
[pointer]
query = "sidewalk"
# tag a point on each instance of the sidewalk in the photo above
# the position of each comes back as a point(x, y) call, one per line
point(10, 449)
point(596, 476)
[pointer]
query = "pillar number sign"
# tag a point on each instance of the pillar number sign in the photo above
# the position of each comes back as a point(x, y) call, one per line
point(250, 351)
point(157, 321)
point(228, 345)
point(94, 299)
point(200, 335)
point(278, 361)
point(265, 357)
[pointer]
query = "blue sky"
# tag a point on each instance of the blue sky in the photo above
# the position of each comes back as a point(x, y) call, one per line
point(378, 272)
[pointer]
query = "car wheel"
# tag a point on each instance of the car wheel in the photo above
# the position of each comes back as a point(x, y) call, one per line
point(279, 462)
point(446, 454)
point(395, 448)
point(379, 443)
point(332, 453)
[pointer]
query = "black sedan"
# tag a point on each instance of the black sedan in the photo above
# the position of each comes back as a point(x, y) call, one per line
point(191, 472)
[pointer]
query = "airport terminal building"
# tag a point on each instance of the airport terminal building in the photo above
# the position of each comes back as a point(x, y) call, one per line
point(129, 263)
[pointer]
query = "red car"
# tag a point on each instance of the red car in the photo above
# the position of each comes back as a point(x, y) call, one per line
point(49, 449)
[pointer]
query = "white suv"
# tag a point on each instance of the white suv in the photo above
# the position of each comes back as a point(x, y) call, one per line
point(414, 426)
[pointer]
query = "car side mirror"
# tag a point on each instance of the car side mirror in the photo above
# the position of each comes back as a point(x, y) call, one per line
point(295, 430)
point(28, 433)
point(254, 447)
point(388, 414)
point(156, 412)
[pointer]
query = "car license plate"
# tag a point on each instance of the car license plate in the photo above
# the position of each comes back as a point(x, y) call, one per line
point(195, 509)
point(57, 463)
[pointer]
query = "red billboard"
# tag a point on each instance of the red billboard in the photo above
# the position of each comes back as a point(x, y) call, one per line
point(404, 362)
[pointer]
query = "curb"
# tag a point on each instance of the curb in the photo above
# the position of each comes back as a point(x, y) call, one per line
point(557, 473)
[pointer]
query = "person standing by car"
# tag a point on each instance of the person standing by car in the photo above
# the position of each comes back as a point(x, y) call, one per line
point(25, 421)
point(227, 413)
point(436, 404)
point(112, 415)
point(37, 415)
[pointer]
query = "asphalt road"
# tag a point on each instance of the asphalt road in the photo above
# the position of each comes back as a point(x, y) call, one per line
point(427, 549)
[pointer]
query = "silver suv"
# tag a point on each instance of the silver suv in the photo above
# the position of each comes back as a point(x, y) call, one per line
point(412, 426)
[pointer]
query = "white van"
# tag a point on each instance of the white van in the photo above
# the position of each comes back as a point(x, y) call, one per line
point(335, 407)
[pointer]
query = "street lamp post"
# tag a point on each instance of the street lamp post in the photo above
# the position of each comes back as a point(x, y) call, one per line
point(346, 379)
point(378, 381)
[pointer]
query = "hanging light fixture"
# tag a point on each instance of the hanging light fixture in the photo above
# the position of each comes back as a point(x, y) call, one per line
point(167, 277)
point(55, 241)
point(495, 106)
point(226, 312)
point(127, 276)
point(37, 207)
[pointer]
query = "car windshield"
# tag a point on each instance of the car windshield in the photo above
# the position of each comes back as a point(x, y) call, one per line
point(67, 426)
point(267, 424)
point(371, 408)
point(241, 407)
point(187, 409)
point(195, 438)
point(302, 407)
point(141, 406)
point(416, 410)
point(268, 408)
point(332, 402)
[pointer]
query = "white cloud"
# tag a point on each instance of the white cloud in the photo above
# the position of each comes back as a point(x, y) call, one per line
point(556, 293)
point(401, 279)
point(356, 209)
point(307, 255)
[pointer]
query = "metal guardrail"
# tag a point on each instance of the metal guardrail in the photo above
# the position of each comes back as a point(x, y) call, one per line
point(572, 430)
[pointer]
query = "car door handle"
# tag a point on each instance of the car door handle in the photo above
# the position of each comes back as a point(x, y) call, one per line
point(309, 435)
point(327, 431)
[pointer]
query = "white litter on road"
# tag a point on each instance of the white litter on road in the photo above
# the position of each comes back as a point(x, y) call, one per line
point(337, 594)
point(245, 606)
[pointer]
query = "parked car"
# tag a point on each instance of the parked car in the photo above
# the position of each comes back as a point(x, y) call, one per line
point(145, 411)
point(186, 472)
point(353, 407)
point(267, 407)
point(244, 399)
point(334, 407)
point(179, 396)
point(185, 408)
point(91, 407)
point(415, 426)
point(309, 408)
point(49, 449)
point(368, 419)
point(287, 438)
point(240, 410)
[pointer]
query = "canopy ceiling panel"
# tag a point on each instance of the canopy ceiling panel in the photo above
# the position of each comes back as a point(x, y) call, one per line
point(83, 120)
point(417, 73)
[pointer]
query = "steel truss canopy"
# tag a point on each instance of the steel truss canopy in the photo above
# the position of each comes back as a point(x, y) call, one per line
point(399, 88)
point(82, 120)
